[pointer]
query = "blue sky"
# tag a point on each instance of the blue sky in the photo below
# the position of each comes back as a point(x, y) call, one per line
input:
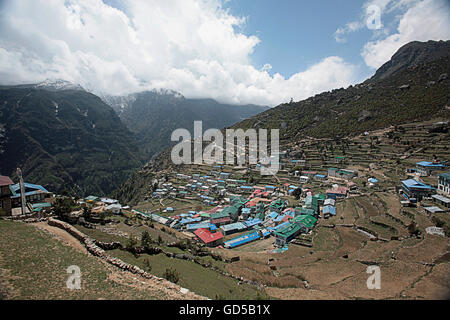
point(235, 51)
point(296, 34)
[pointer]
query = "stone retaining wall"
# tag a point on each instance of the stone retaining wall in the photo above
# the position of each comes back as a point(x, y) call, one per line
point(93, 247)
point(95, 250)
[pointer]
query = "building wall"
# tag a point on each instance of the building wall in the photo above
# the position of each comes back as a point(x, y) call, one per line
point(34, 198)
point(5, 200)
point(418, 194)
point(5, 205)
point(444, 186)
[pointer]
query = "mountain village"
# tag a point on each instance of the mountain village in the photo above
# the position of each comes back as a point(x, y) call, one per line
point(219, 208)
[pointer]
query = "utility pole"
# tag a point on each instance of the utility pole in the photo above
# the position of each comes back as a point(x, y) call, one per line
point(22, 190)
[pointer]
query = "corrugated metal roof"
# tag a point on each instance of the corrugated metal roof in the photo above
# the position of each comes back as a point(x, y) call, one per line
point(430, 164)
point(445, 175)
point(238, 241)
point(441, 198)
point(234, 226)
point(411, 183)
point(206, 236)
point(5, 181)
point(329, 210)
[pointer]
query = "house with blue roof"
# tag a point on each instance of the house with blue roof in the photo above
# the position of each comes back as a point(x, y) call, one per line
point(426, 168)
point(273, 215)
point(33, 194)
point(413, 189)
point(329, 211)
point(320, 177)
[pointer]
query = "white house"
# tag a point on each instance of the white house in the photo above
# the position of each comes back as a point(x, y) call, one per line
point(304, 179)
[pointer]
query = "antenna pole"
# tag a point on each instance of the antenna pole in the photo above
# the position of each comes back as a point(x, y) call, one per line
point(22, 190)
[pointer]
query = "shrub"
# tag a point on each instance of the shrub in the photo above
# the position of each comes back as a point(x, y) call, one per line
point(131, 244)
point(147, 266)
point(171, 275)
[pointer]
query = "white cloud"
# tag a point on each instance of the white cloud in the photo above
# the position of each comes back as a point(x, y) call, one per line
point(191, 46)
point(348, 28)
point(416, 20)
point(424, 20)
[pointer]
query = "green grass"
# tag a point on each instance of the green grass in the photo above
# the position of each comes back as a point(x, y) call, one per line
point(196, 278)
point(192, 276)
point(326, 239)
point(36, 265)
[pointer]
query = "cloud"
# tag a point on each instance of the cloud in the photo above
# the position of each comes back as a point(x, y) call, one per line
point(348, 28)
point(415, 20)
point(191, 46)
point(424, 20)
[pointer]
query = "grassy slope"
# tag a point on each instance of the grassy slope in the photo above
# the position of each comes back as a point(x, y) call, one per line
point(34, 265)
point(192, 276)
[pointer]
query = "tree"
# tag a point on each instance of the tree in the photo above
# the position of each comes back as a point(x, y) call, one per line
point(160, 240)
point(146, 240)
point(131, 244)
point(63, 207)
point(297, 193)
point(87, 213)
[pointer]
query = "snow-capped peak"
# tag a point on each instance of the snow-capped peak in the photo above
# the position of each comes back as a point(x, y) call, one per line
point(168, 92)
point(58, 84)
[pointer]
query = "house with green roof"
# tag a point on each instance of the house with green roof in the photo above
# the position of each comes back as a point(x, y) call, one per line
point(232, 212)
point(304, 212)
point(277, 205)
point(320, 198)
point(220, 215)
point(286, 234)
point(91, 199)
point(307, 222)
point(298, 225)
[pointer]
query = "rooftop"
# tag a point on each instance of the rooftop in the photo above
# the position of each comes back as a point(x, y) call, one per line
point(441, 198)
point(430, 164)
point(445, 175)
point(234, 226)
point(29, 189)
point(206, 236)
point(433, 209)
point(411, 183)
point(5, 181)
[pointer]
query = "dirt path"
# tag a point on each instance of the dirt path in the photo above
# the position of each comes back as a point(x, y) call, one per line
point(161, 287)
point(62, 236)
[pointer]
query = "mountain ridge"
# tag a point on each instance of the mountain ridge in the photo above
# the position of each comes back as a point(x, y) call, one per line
point(409, 94)
point(153, 115)
point(64, 139)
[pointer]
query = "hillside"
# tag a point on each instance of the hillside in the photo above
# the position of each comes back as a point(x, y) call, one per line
point(24, 274)
point(64, 139)
point(153, 115)
point(412, 93)
point(412, 86)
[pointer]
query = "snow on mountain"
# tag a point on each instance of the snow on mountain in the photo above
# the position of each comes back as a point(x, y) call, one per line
point(58, 85)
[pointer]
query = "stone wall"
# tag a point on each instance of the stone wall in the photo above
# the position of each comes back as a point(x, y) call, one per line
point(95, 250)
point(93, 247)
